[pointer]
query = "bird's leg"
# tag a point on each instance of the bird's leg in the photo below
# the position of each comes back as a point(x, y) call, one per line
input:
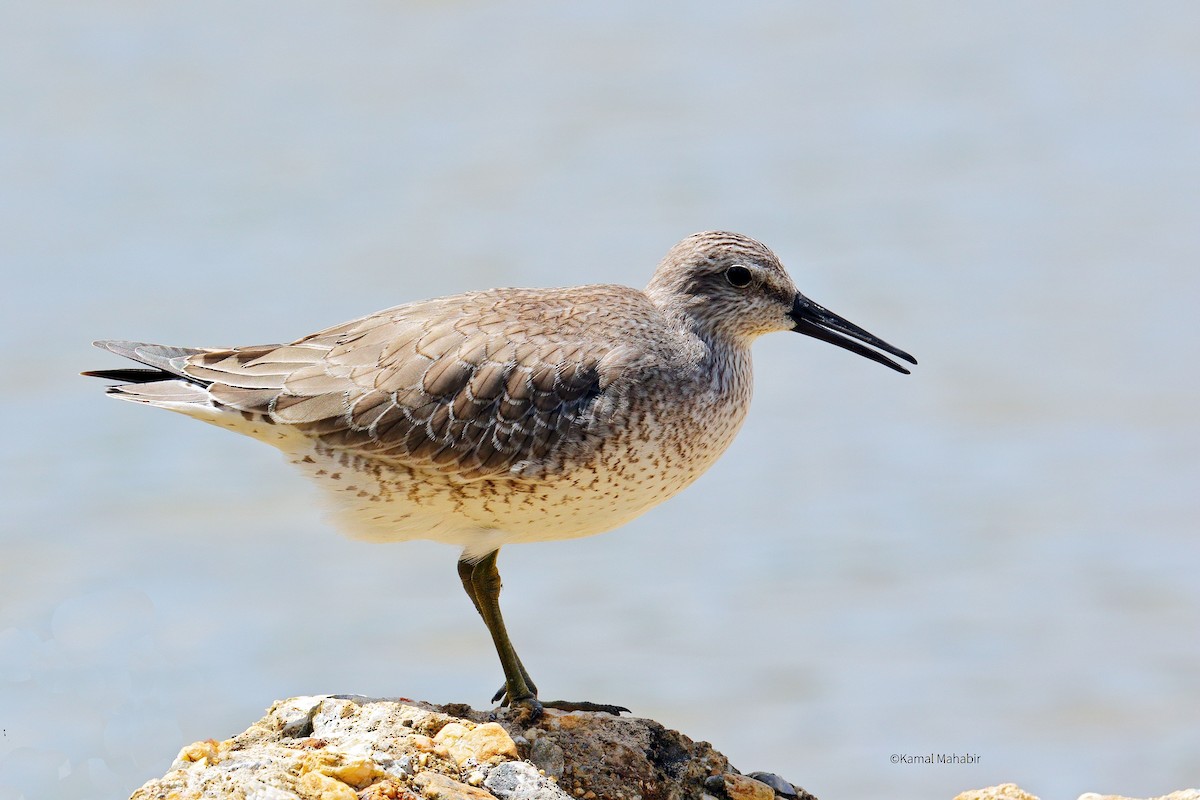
point(482, 583)
point(481, 580)
point(465, 571)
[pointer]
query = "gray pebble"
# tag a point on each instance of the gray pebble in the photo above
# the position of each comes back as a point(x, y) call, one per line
point(518, 780)
point(548, 757)
point(781, 786)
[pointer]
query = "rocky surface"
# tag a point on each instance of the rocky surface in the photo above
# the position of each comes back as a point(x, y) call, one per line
point(1185, 794)
point(1005, 791)
point(1010, 791)
point(355, 748)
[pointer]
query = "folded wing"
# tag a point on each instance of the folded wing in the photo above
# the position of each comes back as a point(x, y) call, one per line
point(474, 386)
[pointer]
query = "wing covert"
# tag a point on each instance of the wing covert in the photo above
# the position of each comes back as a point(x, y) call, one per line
point(478, 385)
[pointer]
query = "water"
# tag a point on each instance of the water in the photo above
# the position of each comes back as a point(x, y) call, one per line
point(996, 556)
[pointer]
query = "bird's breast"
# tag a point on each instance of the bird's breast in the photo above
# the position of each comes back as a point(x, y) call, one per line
point(655, 439)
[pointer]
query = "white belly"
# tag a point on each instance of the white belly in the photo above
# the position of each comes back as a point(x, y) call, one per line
point(638, 469)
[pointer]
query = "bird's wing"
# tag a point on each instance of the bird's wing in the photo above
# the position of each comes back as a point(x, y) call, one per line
point(516, 382)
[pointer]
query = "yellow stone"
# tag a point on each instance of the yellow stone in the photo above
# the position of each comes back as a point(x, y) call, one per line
point(567, 721)
point(451, 733)
point(423, 744)
point(436, 786)
point(487, 744)
point(385, 790)
point(359, 774)
point(740, 787)
point(490, 744)
point(209, 751)
point(318, 761)
point(318, 786)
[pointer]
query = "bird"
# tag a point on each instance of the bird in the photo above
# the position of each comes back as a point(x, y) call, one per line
point(508, 415)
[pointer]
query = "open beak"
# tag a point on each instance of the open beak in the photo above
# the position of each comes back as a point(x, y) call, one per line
point(821, 323)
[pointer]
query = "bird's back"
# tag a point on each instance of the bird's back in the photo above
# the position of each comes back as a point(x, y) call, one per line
point(520, 383)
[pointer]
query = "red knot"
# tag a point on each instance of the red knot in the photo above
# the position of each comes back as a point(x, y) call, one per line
point(508, 415)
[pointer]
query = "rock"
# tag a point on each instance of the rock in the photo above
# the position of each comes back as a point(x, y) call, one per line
point(436, 786)
point(1005, 791)
point(341, 747)
point(622, 757)
point(387, 790)
point(548, 757)
point(738, 787)
point(1010, 791)
point(318, 786)
point(296, 715)
point(519, 780)
point(781, 786)
point(357, 748)
point(485, 744)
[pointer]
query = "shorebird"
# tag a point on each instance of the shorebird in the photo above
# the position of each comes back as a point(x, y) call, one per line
point(508, 415)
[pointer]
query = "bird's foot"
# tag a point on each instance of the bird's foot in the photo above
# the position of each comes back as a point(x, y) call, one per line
point(525, 711)
point(529, 709)
point(584, 705)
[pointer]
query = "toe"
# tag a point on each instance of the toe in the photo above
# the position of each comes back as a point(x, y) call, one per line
point(583, 705)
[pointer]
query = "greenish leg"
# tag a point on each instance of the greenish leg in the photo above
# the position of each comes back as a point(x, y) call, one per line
point(481, 580)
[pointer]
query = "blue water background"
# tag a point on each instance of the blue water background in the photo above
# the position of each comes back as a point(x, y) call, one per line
point(997, 555)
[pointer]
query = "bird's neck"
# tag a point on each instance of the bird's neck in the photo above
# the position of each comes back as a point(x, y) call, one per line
point(722, 359)
point(730, 365)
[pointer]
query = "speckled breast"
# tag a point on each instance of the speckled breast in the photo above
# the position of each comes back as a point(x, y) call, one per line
point(655, 446)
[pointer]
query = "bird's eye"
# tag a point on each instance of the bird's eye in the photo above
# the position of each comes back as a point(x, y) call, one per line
point(738, 276)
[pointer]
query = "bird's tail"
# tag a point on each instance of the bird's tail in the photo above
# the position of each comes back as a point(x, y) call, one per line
point(163, 384)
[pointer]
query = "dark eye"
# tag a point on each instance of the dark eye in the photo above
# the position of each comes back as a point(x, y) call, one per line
point(738, 276)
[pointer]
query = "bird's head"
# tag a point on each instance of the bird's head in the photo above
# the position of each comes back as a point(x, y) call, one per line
point(733, 287)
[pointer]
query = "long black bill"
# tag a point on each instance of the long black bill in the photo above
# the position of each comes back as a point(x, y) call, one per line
point(821, 323)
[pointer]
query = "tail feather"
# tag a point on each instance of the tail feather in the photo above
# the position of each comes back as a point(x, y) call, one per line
point(163, 384)
point(170, 393)
point(160, 356)
point(204, 384)
point(129, 375)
